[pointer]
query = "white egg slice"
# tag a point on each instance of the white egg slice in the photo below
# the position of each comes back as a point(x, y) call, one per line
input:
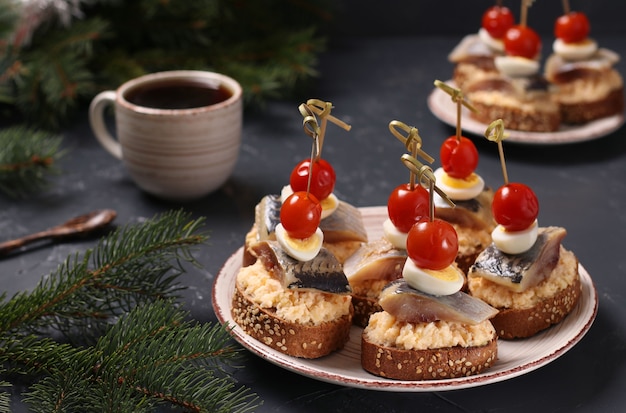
point(285, 192)
point(394, 235)
point(491, 42)
point(516, 66)
point(329, 205)
point(575, 51)
point(515, 242)
point(443, 282)
point(459, 189)
point(300, 249)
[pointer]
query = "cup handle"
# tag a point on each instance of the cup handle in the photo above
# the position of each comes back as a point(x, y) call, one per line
point(98, 126)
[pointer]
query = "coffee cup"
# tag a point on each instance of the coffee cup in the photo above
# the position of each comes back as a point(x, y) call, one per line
point(178, 133)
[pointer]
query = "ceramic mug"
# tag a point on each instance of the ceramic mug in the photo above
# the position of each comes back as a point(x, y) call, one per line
point(178, 133)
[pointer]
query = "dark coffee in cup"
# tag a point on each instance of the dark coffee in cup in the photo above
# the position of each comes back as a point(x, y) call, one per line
point(177, 94)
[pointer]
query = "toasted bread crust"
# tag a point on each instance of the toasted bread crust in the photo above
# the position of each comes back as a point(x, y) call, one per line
point(586, 111)
point(297, 340)
point(515, 118)
point(512, 323)
point(442, 363)
point(363, 308)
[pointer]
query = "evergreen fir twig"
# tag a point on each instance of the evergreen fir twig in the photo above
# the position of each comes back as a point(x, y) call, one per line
point(267, 46)
point(4, 396)
point(28, 157)
point(131, 266)
point(151, 357)
point(144, 351)
point(55, 76)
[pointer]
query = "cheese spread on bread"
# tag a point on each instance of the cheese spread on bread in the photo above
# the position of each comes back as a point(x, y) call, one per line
point(564, 274)
point(384, 330)
point(297, 306)
point(590, 89)
point(369, 288)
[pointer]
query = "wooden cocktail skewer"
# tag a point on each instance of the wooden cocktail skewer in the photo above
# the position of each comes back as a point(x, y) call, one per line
point(412, 142)
point(566, 8)
point(457, 98)
point(524, 13)
point(495, 133)
point(323, 109)
point(311, 128)
point(426, 177)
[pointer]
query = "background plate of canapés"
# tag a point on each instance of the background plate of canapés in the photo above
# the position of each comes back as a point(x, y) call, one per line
point(442, 106)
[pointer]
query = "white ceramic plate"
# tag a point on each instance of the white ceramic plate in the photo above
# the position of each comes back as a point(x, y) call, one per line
point(441, 105)
point(344, 367)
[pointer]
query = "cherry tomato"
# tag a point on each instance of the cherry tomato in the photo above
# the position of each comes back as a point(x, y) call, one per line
point(459, 158)
point(322, 180)
point(432, 244)
point(301, 214)
point(522, 41)
point(497, 20)
point(515, 206)
point(572, 27)
point(405, 206)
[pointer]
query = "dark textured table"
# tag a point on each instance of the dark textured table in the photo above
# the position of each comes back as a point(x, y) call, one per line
point(371, 81)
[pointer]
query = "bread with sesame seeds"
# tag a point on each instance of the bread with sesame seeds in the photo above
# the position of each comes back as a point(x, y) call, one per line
point(426, 351)
point(302, 323)
point(586, 89)
point(526, 313)
point(524, 103)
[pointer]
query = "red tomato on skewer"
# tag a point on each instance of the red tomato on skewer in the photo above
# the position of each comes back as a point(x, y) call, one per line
point(432, 244)
point(301, 214)
point(323, 178)
point(406, 207)
point(515, 206)
point(572, 27)
point(459, 158)
point(522, 41)
point(497, 20)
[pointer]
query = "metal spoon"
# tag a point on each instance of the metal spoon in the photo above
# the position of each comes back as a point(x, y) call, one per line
point(79, 225)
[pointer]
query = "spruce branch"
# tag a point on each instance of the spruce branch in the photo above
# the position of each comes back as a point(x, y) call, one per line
point(151, 357)
point(63, 66)
point(4, 396)
point(149, 352)
point(28, 157)
point(55, 76)
point(131, 266)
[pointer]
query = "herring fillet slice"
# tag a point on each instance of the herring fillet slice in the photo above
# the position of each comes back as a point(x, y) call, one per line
point(323, 273)
point(414, 306)
point(472, 213)
point(518, 272)
point(345, 224)
point(375, 260)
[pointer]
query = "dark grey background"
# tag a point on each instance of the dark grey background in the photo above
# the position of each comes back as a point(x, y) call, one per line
point(371, 80)
point(449, 17)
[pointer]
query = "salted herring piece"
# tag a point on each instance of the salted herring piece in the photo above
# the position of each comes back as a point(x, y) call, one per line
point(414, 306)
point(345, 224)
point(323, 273)
point(375, 260)
point(518, 272)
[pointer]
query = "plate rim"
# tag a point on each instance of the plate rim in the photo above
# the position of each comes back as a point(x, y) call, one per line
point(222, 309)
point(440, 105)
